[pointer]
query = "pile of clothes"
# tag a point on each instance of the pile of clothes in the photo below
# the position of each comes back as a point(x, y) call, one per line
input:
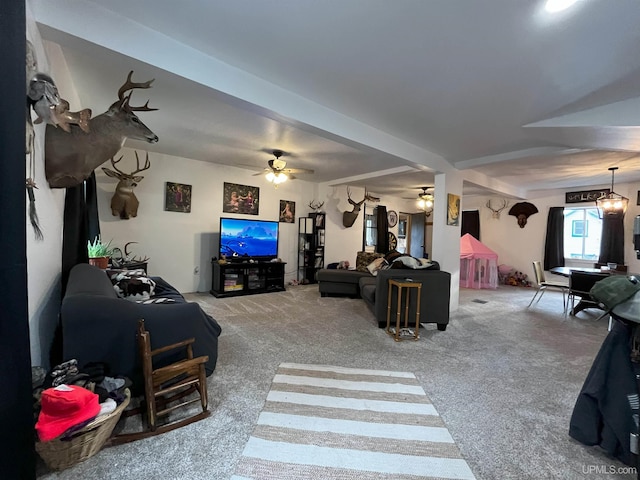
point(69, 398)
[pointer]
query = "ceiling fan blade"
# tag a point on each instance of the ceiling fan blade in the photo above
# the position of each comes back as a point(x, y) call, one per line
point(297, 170)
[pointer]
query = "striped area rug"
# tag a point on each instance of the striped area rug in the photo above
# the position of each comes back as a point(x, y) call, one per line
point(325, 422)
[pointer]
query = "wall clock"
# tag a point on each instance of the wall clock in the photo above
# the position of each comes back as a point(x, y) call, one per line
point(392, 218)
point(393, 241)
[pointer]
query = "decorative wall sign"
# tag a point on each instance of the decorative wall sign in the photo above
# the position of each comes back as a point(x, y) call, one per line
point(453, 209)
point(177, 197)
point(392, 218)
point(287, 211)
point(241, 199)
point(585, 195)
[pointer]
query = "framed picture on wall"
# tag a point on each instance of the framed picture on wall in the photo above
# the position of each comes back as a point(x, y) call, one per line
point(453, 209)
point(177, 197)
point(287, 211)
point(240, 199)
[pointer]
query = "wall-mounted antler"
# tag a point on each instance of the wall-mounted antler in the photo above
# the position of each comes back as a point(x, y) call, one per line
point(496, 211)
point(315, 205)
point(71, 156)
point(124, 202)
point(349, 218)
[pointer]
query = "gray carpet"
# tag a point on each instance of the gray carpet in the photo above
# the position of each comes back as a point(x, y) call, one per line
point(503, 378)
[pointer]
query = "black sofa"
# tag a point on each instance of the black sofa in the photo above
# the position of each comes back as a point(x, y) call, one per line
point(98, 326)
point(374, 290)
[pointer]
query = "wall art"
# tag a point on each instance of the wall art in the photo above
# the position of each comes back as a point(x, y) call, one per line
point(287, 211)
point(242, 199)
point(177, 197)
point(453, 209)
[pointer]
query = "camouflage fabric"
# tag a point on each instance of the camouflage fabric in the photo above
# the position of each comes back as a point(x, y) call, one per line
point(614, 290)
point(363, 259)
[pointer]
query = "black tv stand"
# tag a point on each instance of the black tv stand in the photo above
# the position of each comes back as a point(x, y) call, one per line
point(246, 278)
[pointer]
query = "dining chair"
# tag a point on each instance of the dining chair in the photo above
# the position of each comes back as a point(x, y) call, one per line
point(543, 285)
point(580, 284)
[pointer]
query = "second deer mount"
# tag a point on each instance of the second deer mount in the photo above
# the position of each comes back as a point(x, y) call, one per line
point(124, 202)
point(495, 211)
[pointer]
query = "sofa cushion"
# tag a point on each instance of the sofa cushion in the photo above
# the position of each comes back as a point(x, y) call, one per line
point(363, 259)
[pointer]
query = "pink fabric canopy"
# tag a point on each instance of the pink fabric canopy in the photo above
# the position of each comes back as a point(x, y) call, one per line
point(470, 247)
point(478, 264)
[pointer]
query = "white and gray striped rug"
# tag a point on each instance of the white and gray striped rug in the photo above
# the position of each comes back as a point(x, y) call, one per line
point(326, 422)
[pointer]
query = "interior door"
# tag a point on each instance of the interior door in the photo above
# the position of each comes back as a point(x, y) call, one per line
point(416, 235)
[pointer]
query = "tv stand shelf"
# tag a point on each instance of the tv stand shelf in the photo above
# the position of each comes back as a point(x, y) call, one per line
point(245, 278)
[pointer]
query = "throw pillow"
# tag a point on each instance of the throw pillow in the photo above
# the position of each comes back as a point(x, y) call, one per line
point(363, 259)
point(133, 286)
point(408, 262)
point(376, 265)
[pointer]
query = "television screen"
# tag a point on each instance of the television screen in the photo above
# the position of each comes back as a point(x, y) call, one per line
point(256, 239)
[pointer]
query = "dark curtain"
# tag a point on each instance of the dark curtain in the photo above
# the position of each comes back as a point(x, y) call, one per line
point(80, 225)
point(612, 241)
point(554, 243)
point(382, 241)
point(471, 223)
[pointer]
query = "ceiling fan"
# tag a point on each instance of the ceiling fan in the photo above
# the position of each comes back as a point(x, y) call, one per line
point(277, 171)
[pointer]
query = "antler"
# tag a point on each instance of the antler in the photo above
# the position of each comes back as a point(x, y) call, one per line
point(123, 99)
point(315, 205)
point(496, 212)
point(147, 164)
point(371, 198)
point(113, 164)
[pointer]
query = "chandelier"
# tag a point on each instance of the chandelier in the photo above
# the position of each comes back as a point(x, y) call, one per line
point(425, 200)
point(276, 177)
point(612, 203)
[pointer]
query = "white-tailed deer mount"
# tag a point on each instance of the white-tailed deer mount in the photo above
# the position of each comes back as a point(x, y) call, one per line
point(495, 212)
point(124, 202)
point(349, 218)
point(70, 157)
point(522, 211)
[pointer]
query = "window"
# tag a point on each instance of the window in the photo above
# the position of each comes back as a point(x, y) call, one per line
point(370, 229)
point(582, 231)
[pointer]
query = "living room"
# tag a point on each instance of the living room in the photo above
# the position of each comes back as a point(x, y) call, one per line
point(181, 246)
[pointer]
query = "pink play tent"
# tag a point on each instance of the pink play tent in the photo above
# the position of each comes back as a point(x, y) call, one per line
point(478, 264)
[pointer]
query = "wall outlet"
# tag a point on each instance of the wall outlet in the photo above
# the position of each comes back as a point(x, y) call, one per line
point(196, 270)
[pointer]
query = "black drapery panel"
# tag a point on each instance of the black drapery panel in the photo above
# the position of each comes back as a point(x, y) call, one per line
point(80, 225)
point(612, 240)
point(382, 240)
point(17, 455)
point(471, 223)
point(554, 243)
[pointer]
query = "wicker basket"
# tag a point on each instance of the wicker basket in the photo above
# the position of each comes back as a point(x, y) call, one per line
point(59, 454)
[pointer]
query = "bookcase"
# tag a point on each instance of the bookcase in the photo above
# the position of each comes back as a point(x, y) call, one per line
point(246, 278)
point(311, 231)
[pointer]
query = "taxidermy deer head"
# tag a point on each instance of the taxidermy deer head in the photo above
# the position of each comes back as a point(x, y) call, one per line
point(124, 202)
point(349, 218)
point(495, 212)
point(522, 211)
point(70, 157)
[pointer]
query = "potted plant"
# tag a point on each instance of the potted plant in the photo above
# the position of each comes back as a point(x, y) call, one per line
point(99, 252)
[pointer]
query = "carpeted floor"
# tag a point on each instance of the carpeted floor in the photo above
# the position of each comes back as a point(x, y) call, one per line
point(504, 379)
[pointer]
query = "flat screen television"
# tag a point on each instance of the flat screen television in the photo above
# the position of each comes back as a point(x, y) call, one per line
point(250, 239)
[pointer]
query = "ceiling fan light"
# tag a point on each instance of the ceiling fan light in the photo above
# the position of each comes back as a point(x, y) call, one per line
point(270, 176)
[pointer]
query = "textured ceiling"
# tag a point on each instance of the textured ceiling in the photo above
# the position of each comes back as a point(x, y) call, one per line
point(373, 93)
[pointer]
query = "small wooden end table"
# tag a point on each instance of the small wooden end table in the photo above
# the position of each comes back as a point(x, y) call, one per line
point(398, 333)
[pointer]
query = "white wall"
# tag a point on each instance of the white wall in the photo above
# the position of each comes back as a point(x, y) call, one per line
point(519, 247)
point(178, 243)
point(44, 258)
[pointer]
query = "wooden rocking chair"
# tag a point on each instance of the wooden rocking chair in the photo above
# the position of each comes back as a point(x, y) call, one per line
point(166, 385)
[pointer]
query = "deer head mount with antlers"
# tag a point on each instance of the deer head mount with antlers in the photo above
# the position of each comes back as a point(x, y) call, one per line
point(349, 218)
point(70, 157)
point(495, 212)
point(124, 202)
